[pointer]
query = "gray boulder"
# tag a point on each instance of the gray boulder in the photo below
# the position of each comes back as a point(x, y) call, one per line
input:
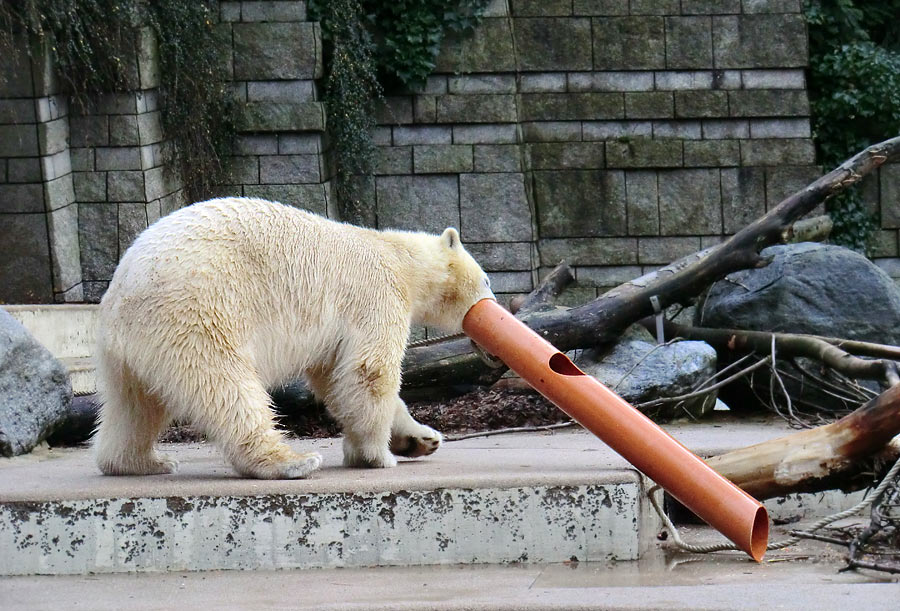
point(640, 370)
point(35, 392)
point(806, 288)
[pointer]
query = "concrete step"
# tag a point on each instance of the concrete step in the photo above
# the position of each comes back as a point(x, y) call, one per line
point(528, 498)
point(68, 331)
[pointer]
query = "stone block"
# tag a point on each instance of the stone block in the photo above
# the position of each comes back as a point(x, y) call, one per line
point(780, 128)
point(19, 140)
point(255, 144)
point(394, 110)
point(21, 198)
point(89, 186)
point(643, 153)
point(147, 101)
point(82, 159)
point(649, 105)
point(160, 182)
point(132, 221)
point(273, 11)
point(118, 158)
point(610, 81)
point(489, 48)
point(551, 131)
point(771, 6)
point(483, 134)
point(394, 159)
point(476, 108)
point(687, 130)
point(482, 83)
point(727, 128)
point(690, 202)
point(442, 158)
point(424, 109)
point(53, 136)
point(612, 130)
point(768, 103)
point(123, 130)
point(773, 79)
point(93, 291)
point(544, 44)
point(599, 7)
point(494, 208)
point(148, 59)
point(760, 41)
point(98, 239)
point(502, 256)
point(588, 251)
point(229, 11)
point(282, 117)
point(701, 104)
point(289, 169)
point(543, 82)
point(778, 151)
point(711, 153)
point(24, 169)
point(15, 111)
point(689, 42)
point(92, 130)
point(281, 91)
point(580, 203)
point(511, 282)
point(56, 166)
point(654, 7)
point(541, 8)
point(710, 7)
point(307, 197)
point(604, 278)
point(570, 106)
point(152, 155)
point(243, 170)
point(784, 181)
point(497, 158)
point(629, 43)
point(687, 79)
point(566, 155)
point(642, 201)
point(59, 192)
point(889, 178)
point(662, 251)
point(743, 197)
point(150, 127)
point(26, 277)
point(125, 186)
point(266, 51)
point(295, 144)
point(422, 135)
point(883, 243)
point(418, 203)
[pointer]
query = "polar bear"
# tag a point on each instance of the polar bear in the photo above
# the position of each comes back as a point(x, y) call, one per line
point(215, 303)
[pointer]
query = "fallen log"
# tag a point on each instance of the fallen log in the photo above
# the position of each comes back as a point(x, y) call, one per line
point(839, 455)
point(603, 319)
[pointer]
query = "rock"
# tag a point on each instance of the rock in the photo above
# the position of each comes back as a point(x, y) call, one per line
point(35, 392)
point(807, 288)
point(640, 370)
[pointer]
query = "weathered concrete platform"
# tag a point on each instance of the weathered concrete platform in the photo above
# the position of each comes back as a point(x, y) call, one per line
point(519, 498)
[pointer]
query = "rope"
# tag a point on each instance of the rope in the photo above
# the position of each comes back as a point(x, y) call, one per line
point(720, 547)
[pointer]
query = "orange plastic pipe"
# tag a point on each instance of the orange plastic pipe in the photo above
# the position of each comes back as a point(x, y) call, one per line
point(721, 504)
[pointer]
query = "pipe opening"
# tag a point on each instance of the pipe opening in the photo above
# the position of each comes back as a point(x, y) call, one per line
point(759, 535)
point(561, 364)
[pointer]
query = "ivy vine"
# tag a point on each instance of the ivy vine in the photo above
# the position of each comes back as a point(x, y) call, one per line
point(854, 88)
point(373, 44)
point(92, 44)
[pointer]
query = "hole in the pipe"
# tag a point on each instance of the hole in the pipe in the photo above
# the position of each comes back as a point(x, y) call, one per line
point(561, 364)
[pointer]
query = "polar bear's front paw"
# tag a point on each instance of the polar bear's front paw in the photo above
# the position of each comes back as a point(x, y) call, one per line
point(426, 442)
point(367, 456)
point(300, 467)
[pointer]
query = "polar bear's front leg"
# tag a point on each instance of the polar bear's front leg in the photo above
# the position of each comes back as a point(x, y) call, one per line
point(410, 438)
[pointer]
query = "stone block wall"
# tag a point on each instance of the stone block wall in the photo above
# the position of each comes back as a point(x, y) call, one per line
point(616, 135)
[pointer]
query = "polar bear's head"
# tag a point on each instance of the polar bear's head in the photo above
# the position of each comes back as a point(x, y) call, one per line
point(461, 284)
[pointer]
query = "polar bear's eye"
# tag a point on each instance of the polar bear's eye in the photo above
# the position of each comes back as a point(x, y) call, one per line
point(487, 282)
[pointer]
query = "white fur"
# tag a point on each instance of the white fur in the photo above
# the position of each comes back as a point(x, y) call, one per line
point(221, 300)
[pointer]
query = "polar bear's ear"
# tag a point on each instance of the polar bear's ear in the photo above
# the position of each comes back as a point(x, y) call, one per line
point(450, 237)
